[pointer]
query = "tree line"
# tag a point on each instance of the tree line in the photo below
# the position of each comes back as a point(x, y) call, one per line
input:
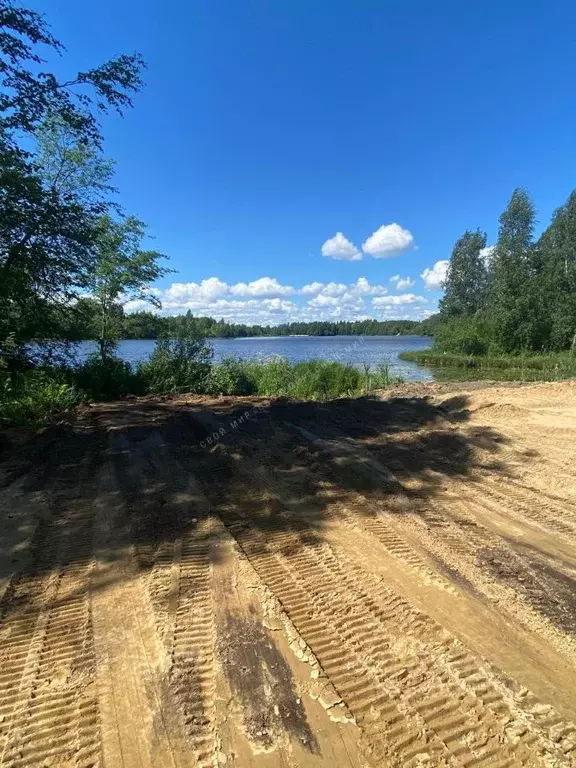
point(85, 322)
point(520, 295)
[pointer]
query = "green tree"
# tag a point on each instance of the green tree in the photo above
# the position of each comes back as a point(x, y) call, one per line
point(513, 302)
point(73, 168)
point(80, 322)
point(47, 231)
point(467, 279)
point(123, 273)
point(142, 325)
point(72, 165)
point(556, 262)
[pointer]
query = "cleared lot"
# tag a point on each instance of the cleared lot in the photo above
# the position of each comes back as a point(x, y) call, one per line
point(381, 582)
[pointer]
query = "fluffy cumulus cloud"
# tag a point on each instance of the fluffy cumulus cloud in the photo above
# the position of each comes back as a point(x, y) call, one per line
point(263, 287)
point(206, 291)
point(410, 312)
point(363, 288)
point(339, 247)
point(401, 283)
point(184, 296)
point(265, 301)
point(388, 240)
point(324, 300)
point(350, 296)
point(360, 288)
point(435, 277)
point(311, 289)
point(394, 301)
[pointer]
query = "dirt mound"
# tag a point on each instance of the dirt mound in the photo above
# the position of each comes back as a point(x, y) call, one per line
point(501, 411)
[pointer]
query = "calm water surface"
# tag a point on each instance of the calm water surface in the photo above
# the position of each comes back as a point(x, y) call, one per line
point(357, 350)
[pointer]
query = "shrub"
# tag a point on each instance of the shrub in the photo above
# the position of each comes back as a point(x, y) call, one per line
point(230, 377)
point(179, 365)
point(35, 397)
point(463, 336)
point(107, 380)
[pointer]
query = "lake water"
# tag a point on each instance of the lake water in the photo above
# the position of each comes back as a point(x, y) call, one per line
point(357, 350)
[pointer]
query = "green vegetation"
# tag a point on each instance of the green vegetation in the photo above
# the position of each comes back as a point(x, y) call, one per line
point(36, 396)
point(511, 308)
point(309, 380)
point(555, 365)
point(467, 285)
point(84, 321)
point(182, 365)
point(122, 272)
point(103, 379)
point(48, 227)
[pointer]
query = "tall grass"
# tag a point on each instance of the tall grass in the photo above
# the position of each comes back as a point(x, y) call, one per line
point(309, 380)
point(36, 396)
point(555, 366)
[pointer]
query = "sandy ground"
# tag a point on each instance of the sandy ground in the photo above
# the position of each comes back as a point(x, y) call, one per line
point(380, 582)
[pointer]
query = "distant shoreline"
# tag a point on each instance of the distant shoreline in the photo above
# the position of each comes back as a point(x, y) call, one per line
point(280, 336)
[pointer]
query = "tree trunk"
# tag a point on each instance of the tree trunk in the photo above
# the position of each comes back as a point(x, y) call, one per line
point(102, 340)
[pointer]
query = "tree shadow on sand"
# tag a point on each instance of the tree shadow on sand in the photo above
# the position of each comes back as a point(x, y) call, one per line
point(289, 465)
point(276, 467)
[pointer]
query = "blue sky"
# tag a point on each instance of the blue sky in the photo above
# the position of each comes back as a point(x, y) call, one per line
point(266, 128)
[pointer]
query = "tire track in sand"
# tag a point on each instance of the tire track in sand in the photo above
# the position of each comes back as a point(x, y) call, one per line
point(173, 535)
point(140, 724)
point(348, 629)
point(387, 533)
point(48, 702)
point(446, 527)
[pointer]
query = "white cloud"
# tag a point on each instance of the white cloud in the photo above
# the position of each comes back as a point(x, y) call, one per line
point(341, 297)
point(252, 302)
point(213, 288)
point(487, 253)
point(360, 288)
point(137, 305)
point(278, 305)
point(388, 240)
point(334, 289)
point(393, 301)
point(364, 288)
point(263, 287)
point(323, 300)
point(207, 290)
point(312, 288)
point(435, 277)
point(405, 312)
point(253, 311)
point(339, 247)
point(401, 282)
